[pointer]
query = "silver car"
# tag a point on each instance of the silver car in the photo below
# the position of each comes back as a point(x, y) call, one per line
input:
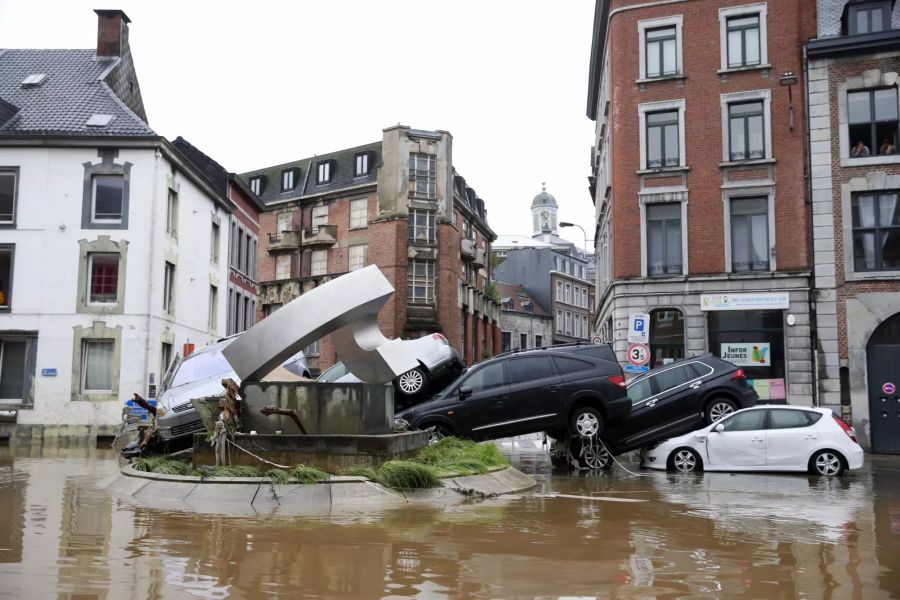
point(197, 376)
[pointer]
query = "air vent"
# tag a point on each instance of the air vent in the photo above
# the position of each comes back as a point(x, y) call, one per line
point(99, 120)
point(34, 80)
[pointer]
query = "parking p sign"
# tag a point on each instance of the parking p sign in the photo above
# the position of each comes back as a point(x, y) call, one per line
point(639, 328)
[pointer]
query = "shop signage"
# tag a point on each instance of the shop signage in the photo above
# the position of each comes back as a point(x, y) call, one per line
point(638, 354)
point(889, 388)
point(766, 300)
point(639, 328)
point(746, 355)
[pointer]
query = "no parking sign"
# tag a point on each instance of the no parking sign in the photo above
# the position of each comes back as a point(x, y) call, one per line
point(888, 388)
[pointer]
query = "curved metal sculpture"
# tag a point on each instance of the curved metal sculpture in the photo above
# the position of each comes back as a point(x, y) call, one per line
point(348, 307)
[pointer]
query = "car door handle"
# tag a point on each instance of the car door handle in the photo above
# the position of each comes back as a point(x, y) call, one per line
point(501, 399)
point(695, 385)
point(652, 403)
point(553, 388)
point(757, 439)
point(810, 437)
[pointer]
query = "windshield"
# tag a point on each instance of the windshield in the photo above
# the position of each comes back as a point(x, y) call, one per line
point(202, 365)
point(452, 387)
point(335, 372)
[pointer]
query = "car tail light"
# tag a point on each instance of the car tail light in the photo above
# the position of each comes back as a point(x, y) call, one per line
point(440, 338)
point(847, 429)
point(739, 374)
point(618, 380)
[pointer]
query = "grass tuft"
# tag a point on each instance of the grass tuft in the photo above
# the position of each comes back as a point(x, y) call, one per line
point(162, 465)
point(461, 457)
point(360, 471)
point(407, 474)
point(279, 476)
point(237, 471)
point(306, 474)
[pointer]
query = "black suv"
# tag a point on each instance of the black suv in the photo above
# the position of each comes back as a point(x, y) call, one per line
point(558, 389)
point(674, 399)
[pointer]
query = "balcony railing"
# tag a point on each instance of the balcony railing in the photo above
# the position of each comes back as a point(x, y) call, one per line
point(467, 249)
point(325, 236)
point(480, 259)
point(285, 240)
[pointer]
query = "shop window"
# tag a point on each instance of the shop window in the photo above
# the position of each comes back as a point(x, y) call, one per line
point(876, 231)
point(873, 122)
point(666, 336)
point(753, 341)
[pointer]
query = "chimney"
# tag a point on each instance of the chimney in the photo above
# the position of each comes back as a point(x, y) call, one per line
point(112, 33)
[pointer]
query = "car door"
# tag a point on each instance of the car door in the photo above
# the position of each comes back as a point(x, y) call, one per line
point(535, 392)
point(790, 437)
point(741, 443)
point(482, 401)
point(663, 414)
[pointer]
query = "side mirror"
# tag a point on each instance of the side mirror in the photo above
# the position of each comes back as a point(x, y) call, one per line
point(464, 392)
point(719, 428)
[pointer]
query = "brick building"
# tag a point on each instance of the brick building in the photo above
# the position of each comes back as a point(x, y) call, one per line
point(523, 321)
point(399, 204)
point(698, 182)
point(853, 71)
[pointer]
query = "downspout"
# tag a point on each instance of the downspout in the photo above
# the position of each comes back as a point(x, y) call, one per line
point(151, 279)
point(813, 334)
point(300, 207)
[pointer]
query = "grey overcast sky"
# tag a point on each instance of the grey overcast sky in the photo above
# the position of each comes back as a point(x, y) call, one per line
point(259, 83)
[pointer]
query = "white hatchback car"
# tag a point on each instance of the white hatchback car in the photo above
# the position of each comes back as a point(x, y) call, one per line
point(763, 438)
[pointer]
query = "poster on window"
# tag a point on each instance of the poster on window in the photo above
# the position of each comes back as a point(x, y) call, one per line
point(747, 355)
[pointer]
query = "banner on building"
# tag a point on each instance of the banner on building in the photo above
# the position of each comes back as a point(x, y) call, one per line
point(762, 301)
point(746, 355)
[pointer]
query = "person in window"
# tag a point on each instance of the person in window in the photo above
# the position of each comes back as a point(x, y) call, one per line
point(859, 150)
point(887, 147)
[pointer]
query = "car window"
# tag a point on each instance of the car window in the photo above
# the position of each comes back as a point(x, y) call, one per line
point(335, 372)
point(751, 420)
point(571, 365)
point(485, 378)
point(529, 368)
point(674, 377)
point(640, 391)
point(701, 369)
point(201, 366)
point(788, 419)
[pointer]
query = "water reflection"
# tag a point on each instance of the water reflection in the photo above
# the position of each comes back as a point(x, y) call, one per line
point(712, 535)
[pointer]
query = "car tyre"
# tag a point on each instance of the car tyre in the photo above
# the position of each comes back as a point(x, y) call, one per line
point(827, 462)
point(586, 421)
point(591, 453)
point(685, 460)
point(437, 432)
point(412, 382)
point(717, 409)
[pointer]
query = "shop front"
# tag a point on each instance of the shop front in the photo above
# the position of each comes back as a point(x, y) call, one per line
point(748, 331)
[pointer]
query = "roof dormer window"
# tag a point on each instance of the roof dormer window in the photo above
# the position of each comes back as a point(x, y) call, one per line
point(362, 164)
point(99, 120)
point(256, 185)
point(869, 17)
point(324, 172)
point(287, 180)
point(34, 80)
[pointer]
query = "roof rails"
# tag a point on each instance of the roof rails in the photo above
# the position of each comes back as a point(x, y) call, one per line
point(550, 347)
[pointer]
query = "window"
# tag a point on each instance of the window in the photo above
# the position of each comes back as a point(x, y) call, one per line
point(103, 284)
point(743, 41)
point(214, 243)
point(876, 231)
point(165, 358)
point(256, 185)
point(8, 180)
point(287, 180)
point(421, 226)
point(568, 296)
point(271, 308)
point(584, 326)
point(314, 349)
point(97, 365)
point(523, 341)
point(523, 369)
point(213, 307)
point(559, 291)
point(662, 139)
point(319, 263)
point(789, 419)
point(172, 213)
point(420, 278)
point(362, 164)
point(568, 323)
point(169, 288)
point(319, 217)
point(746, 133)
point(107, 202)
point(324, 172)
point(485, 378)
point(538, 341)
point(664, 239)
point(749, 234)
point(752, 420)
point(640, 390)
point(6, 274)
point(358, 256)
point(660, 52)
point(13, 369)
point(584, 297)
point(870, 17)
point(674, 377)
point(423, 174)
point(872, 116)
point(666, 336)
point(284, 222)
point(359, 213)
point(559, 321)
point(283, 266)
point(505, 341)
point(754, 341)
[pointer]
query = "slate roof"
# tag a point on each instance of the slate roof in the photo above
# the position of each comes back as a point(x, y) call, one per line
point(62, 104)
point(342, 170)
point(212, 170)
point(510, 292)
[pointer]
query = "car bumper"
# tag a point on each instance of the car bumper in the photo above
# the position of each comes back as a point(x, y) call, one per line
point(174, 425)
point(655, 458)
point(855, 459)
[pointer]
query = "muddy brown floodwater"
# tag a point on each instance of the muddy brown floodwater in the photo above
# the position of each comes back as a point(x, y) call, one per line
point(609, 535)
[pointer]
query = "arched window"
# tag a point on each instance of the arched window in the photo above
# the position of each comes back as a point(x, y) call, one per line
point(666, 336)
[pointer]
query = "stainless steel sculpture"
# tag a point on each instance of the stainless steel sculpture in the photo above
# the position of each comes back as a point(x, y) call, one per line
point(347, 307)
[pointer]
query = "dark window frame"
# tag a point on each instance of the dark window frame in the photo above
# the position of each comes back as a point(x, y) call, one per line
point(324, 172)
point(14, 172)
point(668, 269)
point(426, 280)
point(426, 175)
point(743, 30)
point(869, 8)
point(877, 229)
point(747, 153)
point(747, 218)
point(664, 160)
point(659, 51)
point(7, 302)
point(873, 123)
point(366, 159)
point(106, 167)
point(430, 226)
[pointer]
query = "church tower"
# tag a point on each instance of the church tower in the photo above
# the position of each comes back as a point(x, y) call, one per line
point(543, 215)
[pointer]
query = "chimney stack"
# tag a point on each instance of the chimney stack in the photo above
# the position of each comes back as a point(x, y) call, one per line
point(112, 33)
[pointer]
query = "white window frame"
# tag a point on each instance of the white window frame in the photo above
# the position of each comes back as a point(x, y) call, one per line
point(749, 192)
point(255, 184)
point(94, 218)
point(283, 266)
point(172, 213)
point(319, 217)
point(284, 222)
point(323, 172)
point(568, 296)
point(738, 11)
point(318, 263)
point(213, 307)
point(584, 298)
point(90, 270)
point(357, 257)
point(643, 26)
point(84, 364)
point(644, 202)
point(651, 107)
point(428, 280)
point(725, 100)
point(559, 321)
point(287, 180)
point(359, 213)
point(215, 235)
point(559, 291)
point(361, 166)
point(169, 287)
point(870, 80)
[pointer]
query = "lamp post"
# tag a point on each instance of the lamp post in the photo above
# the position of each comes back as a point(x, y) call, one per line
point(567, 224)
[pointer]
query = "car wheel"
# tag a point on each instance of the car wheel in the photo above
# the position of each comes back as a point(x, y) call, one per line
point(685, 460)
point(591, 453)
point(827, 462)
point(412, 382)
point(586, 422)
point(436, 433)
point(719, 408)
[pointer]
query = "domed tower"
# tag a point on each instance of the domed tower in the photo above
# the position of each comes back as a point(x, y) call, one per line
point(543, 214)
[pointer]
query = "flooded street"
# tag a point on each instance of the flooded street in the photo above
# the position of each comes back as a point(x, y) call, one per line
point(606, 535)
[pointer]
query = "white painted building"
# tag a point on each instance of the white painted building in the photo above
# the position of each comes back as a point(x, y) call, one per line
point(112, 247)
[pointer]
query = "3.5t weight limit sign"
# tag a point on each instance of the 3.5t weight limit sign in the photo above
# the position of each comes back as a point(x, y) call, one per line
point(638, 354)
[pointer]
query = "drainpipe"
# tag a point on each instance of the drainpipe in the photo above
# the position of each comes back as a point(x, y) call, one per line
point(150, 270)
point(813, 334)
